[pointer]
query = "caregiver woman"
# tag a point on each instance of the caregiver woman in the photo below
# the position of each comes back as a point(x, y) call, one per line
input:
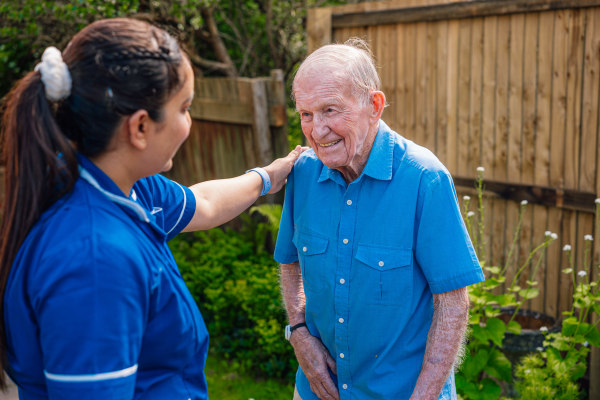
point(94, 306)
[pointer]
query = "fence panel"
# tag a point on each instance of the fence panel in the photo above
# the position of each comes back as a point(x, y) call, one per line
point(510, 85)
point(237, 123)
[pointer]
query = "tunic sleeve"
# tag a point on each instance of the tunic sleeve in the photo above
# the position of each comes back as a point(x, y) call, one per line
point(91, 304)
point(443, 248)
point(172, 202)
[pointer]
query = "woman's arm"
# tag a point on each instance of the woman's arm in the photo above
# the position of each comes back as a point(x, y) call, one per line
point(221, 200)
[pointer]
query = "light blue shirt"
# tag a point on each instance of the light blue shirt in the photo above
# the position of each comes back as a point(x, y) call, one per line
point(372, 253)
point(95, 307)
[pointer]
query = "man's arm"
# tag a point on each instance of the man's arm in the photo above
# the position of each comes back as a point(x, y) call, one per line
point(312, 355)
point(444, 342)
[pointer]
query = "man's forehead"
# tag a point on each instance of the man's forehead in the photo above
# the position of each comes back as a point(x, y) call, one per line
point(321, 90)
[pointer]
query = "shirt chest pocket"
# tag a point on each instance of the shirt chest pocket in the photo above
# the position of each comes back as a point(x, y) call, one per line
point(317, 271)
point(384, 274)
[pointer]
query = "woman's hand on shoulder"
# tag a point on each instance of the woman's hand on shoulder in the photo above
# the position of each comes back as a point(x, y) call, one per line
point(279, 169)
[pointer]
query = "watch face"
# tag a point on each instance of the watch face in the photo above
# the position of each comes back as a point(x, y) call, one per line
point(288, 332)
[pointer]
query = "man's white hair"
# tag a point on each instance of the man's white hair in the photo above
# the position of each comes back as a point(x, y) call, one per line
point(353, 63)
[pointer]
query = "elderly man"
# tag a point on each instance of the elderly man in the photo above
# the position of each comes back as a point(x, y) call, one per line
point(374, 252)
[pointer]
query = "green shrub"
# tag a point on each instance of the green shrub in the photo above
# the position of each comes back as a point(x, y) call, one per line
point(235, 281)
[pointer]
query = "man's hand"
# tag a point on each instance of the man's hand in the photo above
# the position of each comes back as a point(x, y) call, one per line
point(315, 361)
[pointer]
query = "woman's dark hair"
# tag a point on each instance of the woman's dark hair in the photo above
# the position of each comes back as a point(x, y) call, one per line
point(117, 66)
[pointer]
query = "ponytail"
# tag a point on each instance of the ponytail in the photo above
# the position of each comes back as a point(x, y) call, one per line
point(40, 167)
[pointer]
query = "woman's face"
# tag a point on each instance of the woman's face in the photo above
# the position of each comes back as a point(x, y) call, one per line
point(175, 127)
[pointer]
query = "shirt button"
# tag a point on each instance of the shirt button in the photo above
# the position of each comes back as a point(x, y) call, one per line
point(345, 241)
point(342, 355)
point(304, 249)
point(341, 320)
point(349, 202)
point(344, 386)
point(342, 281)
point(380, 262)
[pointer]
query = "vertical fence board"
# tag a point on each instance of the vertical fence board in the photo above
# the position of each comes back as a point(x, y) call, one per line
point(452, 96)
point(464, 80)
point(420, 83)
point(442, 66)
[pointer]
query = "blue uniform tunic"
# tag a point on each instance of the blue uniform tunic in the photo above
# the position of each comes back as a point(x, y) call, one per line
point(95, 306)
point(372, 254)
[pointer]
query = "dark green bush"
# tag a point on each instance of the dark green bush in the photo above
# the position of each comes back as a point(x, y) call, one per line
point(235, 281)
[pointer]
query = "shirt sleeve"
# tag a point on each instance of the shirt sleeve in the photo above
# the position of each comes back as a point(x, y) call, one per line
point(443, 247)
point(285, 250)
point(176, 202)
point(91, 306)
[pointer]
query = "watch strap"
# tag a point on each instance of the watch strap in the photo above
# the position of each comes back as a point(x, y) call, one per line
point(289, 329)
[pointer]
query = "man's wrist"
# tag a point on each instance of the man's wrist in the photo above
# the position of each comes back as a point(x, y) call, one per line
point(289, 329)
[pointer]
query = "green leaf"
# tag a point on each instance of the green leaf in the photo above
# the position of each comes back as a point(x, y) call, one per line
point(498, 366)
point(529, 294)
point(480, 333)
point(567, 270)
point(474, 364)
point(493, 270)
point(592, 335)
point(490, 390)
point(495, 329)
point(532, 283)
point(569, 326)
point(515, 288)
point(514, 327)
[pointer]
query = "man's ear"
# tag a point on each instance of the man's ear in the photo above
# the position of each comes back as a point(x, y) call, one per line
point(378, 103)
point(138, 125)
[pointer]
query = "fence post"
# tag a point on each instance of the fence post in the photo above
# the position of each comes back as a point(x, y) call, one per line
point(260, 121)
point(318, 28)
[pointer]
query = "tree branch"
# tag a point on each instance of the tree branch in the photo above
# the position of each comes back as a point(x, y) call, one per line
point(217, 42)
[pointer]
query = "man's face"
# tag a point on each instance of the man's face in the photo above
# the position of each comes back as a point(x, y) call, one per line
point(337, 125)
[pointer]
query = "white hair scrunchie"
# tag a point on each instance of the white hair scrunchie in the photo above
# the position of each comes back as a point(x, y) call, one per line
point(55, 74)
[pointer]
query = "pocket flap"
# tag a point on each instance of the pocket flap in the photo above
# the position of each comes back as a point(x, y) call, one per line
point(309, 244)
point(384, 258)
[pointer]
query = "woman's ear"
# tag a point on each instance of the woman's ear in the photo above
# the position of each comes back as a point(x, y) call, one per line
point(138, 125)
point(378, 103)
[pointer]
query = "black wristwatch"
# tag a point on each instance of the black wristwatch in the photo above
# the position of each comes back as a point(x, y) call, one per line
point(289, 329)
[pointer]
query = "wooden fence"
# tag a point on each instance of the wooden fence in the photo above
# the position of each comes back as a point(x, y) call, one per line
point(509, 85)
point(238, 123)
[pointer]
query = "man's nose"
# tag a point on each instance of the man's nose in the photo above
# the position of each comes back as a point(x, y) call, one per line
point(320, 126)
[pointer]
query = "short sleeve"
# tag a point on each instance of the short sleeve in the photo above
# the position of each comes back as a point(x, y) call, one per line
point(443, 248)
point(91, 304)
point(176, 203)
point(285, 250)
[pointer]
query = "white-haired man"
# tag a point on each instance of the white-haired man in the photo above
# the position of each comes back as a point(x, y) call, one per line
point(374, 254)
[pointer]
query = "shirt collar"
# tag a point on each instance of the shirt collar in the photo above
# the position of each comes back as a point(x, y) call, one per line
point(103, 180)
point(93, 175)
point(380, 162)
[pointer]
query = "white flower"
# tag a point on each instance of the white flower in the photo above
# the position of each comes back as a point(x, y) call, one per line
point(554, 236)
point(597, 201)
point(547, 233)
point(539, 348)
point(567, 247)
point(582, 273)
point(55, 74)
point(543, 329)
point(588, 237)
point(466, 198)
point(524, 202)
point(586, 344)
point(471, 214)
point(480, 169)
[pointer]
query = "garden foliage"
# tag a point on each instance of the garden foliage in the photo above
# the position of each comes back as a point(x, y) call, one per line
point(235, 281)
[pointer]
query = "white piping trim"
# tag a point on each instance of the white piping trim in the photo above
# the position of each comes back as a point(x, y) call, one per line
point(182, 209)
point(92, 377)
point(116, 199)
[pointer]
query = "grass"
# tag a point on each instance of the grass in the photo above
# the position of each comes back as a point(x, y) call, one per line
point(226, 385)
